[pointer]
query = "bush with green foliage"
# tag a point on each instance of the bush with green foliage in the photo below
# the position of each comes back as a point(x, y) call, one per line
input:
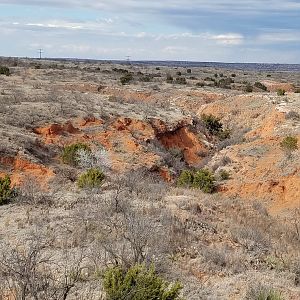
point(69, 154)
point(4, 71)
point(212, 123)
point(281, 92)
point(215, 127)
point(126, 78)
point(138, 283)
point(6, 192)
point(92, 178)
point(261, 86)
point(202, 179)
point(189, 71)
point(185, 178)
point(289, 144)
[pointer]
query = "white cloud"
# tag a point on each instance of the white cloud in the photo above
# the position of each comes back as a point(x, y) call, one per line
point(228, 39)
point(282, 36)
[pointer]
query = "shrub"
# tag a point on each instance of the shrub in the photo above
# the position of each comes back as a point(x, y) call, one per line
point(292, 115)
point(178, 73)
point(201, 179)
point(6, 192)
point(185, 178)
point(233, 75)
point(224, 175)
point(4, 71)
point(269, 295)
point(281, 92)
point(169, 79)
point(92, 178)
point(212, 123)
point(204, 180)
point(138, 283)
point(224, 83)
point(297, 91)
point(180, 80)
point(126, 78)
point(69, 154)
point(224, 134)
point(189, 71)
point(201, 84)
point(249, 88)
point(261, 86)
point(289, 144)
point(146, 78)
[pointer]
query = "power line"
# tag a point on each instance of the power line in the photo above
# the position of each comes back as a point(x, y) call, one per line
point(41, 51)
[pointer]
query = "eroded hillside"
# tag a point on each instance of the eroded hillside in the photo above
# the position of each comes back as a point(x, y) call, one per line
point(150, 129)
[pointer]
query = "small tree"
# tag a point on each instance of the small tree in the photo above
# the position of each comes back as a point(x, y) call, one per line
point(6, 192)
point(138, 283)
point(289, 144)
point(92, 178)
point(70, 153)
point(212, 123)
point(204, 180)
point(185, 178)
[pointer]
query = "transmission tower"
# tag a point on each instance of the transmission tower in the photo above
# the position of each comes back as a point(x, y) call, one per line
point(40, 53)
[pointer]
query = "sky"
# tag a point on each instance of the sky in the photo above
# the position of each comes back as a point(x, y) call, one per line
point(188, 30)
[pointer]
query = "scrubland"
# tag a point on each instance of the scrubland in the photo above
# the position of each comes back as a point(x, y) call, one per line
point(192, 174)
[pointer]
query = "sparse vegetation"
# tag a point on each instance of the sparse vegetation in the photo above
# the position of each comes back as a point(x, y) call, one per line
point(169, 79)
point(127, 78)
point(249, 88)
point(289, 144)
point(224, 175)
point(133, 196)
point(261, 86)
point(215, 127)
point(180, 80)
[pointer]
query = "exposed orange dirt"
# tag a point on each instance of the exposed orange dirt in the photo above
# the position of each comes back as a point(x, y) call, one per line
point(123, 138)
point(273, 86)
point(20, 168)
point(186, 141)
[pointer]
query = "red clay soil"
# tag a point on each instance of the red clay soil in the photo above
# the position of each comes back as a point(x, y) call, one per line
point(21, 168)
point(186, 141)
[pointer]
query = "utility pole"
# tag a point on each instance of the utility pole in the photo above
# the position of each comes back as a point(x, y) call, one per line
point(128, 59)
point(40, 52)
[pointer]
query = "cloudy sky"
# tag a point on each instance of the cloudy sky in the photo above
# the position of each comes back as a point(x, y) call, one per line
point(197, 30)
